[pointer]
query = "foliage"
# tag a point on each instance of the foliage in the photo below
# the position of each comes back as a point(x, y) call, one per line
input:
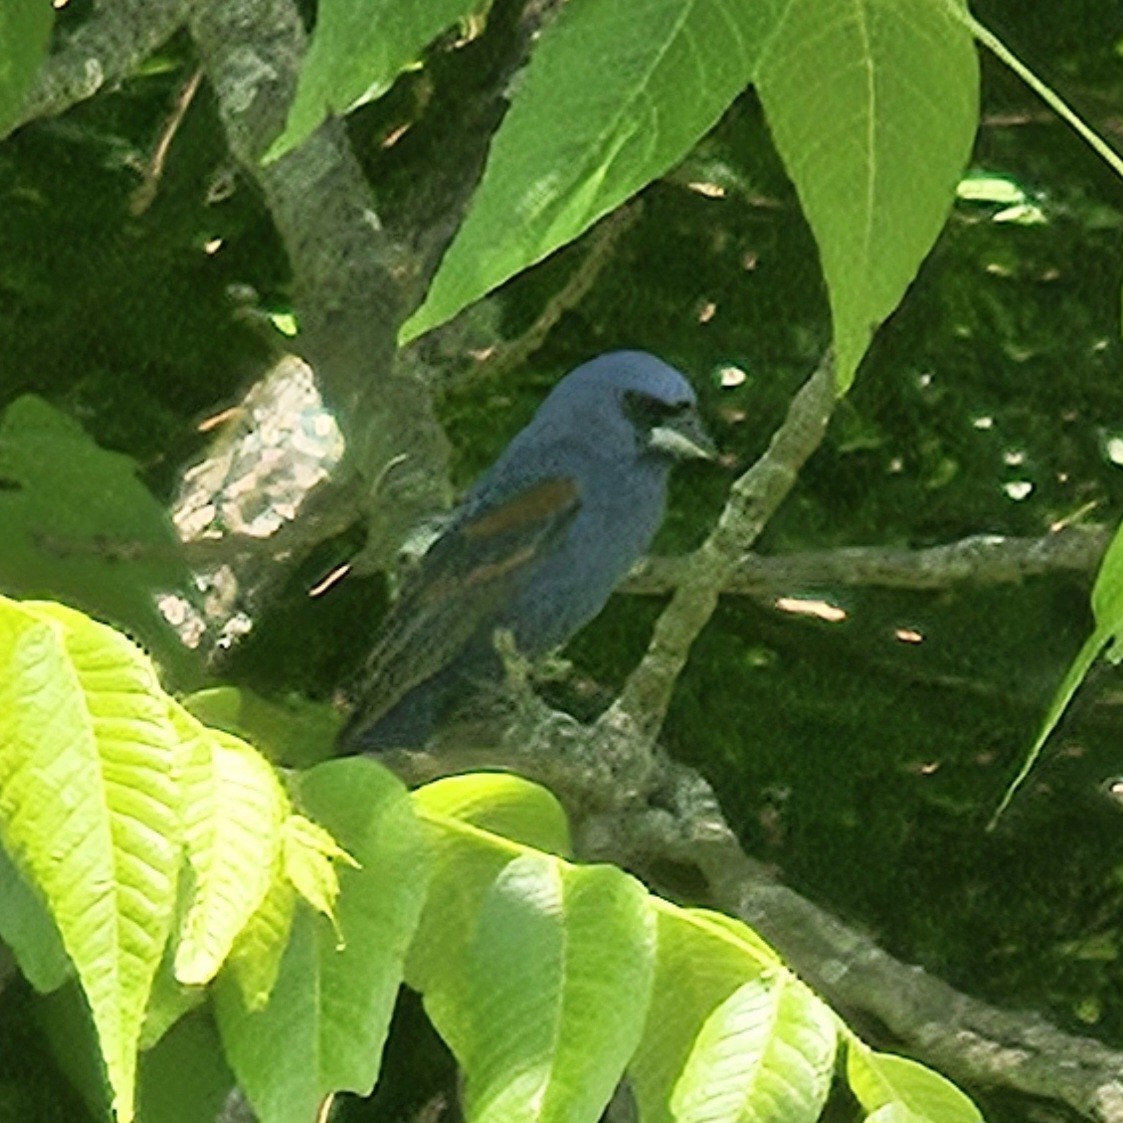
point(228, 900)
point(582, 136)
point(547, 979)
point(25, 27)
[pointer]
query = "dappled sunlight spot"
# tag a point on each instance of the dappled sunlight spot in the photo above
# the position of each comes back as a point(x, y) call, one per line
point(819, 609)
point(983, 187)
point(1113, 449)
point(392, 137)
point(923, 767)
point(188, 622)
point(1073, 516)
point(998, 269)
point(268, 454)
point(1023, 214)
point(908, 635)
point(329, 579)
point(1018, 489)
point(710, 190)
point(284, 322)
point(1015, 204)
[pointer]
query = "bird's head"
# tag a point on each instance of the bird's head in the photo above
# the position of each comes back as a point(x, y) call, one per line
point(636, 392)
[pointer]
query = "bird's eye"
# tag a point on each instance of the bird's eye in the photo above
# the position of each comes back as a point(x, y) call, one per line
point(648, 411)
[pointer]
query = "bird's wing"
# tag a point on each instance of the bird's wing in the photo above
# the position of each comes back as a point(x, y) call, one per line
point(459, 583)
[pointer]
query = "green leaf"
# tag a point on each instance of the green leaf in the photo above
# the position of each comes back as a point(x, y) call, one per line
point(876, 175)
point(294, 732)
point(184, 1079)
point(234, 808)
point(616, 93)
point(476, 824)
point(324, 1026)
point(765, 1055)
point(501, 803)
point(308, 853)
point(879, 1079)
point(894, 1113)
point(702, 958)
point(168, 1002)
point(560, 973)
point(79, 526)
point(1107, 612)
point(255, 958)
point(89, 808)
point(63, 1018)
point(27, 928)
point(25, 30)
point(464, 866)
point(358, 48)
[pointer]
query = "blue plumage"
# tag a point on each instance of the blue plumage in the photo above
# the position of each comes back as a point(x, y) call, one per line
point(537, 546)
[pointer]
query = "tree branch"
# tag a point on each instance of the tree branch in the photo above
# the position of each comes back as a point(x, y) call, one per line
point(982, 559)
point(106, 48)
point(643, 702)
point(968, 1039)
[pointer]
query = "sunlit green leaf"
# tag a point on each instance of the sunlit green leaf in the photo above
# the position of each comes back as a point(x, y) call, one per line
point(233, 810)
point(502, 803)
point(1107, 611)
point(880, 1079)
point(255, 958)
point(702, 958)
point(308, 856)
point(614, 95)
point(891, 71)
point(324, 1025)
point(765, 1055)
point(89, 808)
point(560, 972)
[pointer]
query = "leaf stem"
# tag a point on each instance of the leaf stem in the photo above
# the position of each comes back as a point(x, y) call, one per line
point(1055, 102)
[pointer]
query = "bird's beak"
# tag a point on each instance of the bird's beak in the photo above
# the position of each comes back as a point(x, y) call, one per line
point(684, 437)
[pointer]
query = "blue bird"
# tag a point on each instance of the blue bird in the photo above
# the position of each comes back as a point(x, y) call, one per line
point(536, 547)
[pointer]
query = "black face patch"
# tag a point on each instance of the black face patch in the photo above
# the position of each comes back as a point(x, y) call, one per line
point(648, 412)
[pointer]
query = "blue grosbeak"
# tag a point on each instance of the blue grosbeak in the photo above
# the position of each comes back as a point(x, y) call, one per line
point(536, 547)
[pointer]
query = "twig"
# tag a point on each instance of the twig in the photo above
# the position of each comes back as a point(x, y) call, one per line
point(982, 559)
point(145, 193)
point(604, 236)
point(643, 702)
point(970, 1040)
point(642, 811)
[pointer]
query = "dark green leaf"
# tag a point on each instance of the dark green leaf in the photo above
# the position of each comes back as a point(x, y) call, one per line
point(79, 526)
point(358, 48)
